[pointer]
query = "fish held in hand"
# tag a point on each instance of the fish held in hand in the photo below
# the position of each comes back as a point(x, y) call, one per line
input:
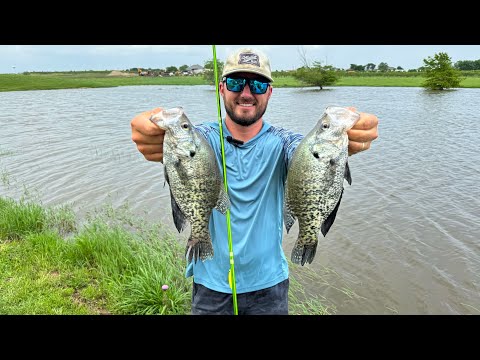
point(193, 176)
point(314, 185)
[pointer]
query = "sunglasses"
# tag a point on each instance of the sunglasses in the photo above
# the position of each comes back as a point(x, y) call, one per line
point(238, 84)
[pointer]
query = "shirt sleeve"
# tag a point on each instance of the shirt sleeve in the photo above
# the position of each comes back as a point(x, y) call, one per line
point(203, 129)
point(290, 141)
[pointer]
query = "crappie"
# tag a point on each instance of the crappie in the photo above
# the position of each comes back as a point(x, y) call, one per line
point(193, 176)
point(314, 185)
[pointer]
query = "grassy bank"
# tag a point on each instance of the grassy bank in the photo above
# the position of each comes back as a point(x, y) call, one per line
point(78, 80)
point(114, 263)
point(74, 80)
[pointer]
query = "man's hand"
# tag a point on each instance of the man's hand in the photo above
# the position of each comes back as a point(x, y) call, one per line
point(363, 133)
point(148, 136)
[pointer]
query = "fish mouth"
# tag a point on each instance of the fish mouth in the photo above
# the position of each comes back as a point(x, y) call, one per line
point(341, 116)
point(339, 111)
point(166, 117)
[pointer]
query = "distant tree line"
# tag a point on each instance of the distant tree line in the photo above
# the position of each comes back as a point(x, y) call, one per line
point(468, 65)
point(438, 70)
point(463, 65)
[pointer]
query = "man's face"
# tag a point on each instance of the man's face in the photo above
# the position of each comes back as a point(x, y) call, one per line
point(245, 108)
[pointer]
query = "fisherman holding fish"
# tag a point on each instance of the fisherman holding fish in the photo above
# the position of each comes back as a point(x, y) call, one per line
point(258, 158)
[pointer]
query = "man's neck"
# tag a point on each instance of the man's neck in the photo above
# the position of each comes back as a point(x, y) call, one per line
point(243, 133)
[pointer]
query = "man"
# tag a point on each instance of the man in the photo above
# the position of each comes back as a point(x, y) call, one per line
point(257, 156)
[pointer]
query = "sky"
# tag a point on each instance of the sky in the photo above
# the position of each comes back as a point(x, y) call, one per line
point(21, 58)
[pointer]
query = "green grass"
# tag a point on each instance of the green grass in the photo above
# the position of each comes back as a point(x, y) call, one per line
point(114, 263)
point(96, 79)
point(108, 266)
point(77, 80)
point(381, 81)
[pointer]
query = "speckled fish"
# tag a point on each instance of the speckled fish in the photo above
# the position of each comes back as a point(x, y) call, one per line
point(193, 176)
point(314, 185)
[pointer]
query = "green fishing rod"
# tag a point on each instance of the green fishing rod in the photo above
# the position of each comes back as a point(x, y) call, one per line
point(231, 273)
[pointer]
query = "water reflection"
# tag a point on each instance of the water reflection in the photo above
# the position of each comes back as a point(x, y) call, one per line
point(405, 240)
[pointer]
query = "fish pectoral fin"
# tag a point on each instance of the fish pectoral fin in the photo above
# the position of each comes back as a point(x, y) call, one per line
point(181, 171)
point(223, 202)
point(347, 174)
point(178, 217)
point(331, 217)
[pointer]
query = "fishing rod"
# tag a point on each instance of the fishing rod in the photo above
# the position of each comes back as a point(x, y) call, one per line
point(231, 272)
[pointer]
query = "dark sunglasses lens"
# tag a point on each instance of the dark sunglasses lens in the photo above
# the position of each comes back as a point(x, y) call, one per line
point(258, 87)
point(235, 85)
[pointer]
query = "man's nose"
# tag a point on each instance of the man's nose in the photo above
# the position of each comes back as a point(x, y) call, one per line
point(246, 90)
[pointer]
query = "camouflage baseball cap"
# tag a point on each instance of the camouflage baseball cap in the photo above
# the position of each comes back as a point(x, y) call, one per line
point(248, 60)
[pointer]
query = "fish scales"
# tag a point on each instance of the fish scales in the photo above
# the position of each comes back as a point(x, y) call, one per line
point(194, 179)
point(314, 185)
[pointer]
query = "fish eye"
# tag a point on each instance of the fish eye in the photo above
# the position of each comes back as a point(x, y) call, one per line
point(185, 126)
point(326, 125)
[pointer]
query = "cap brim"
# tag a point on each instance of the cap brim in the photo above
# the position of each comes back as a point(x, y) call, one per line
point(248, 71)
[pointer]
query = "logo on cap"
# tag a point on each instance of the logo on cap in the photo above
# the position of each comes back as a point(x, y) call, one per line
point(249, 58)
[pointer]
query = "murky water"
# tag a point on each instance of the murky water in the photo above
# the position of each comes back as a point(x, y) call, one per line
point(406, 239)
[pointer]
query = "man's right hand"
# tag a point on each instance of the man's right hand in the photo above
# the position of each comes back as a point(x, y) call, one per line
point(148, 136)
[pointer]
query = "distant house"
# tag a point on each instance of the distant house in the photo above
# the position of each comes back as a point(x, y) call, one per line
point(195, 69)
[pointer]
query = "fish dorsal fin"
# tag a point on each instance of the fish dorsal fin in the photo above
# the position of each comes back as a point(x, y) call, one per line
point(165, 176)
point(347, 174)
point(288, 217)
point(331, 218)
point(223, 202)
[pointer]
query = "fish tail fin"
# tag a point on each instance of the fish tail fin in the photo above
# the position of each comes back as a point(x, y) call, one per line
point(188, 255)
point(195, 250)
point(302, 253)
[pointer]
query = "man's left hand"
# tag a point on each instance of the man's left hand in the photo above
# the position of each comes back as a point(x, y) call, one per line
point(360, 136)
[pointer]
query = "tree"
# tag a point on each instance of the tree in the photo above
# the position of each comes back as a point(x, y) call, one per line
point(171, 69)
point(317, 75)
point(370, 67)
point(183, 68)
point(440, 73)
point(383, 66)
point(356, 67)
point(209, 73)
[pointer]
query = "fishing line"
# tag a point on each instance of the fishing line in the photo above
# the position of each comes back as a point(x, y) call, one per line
point(231, 273)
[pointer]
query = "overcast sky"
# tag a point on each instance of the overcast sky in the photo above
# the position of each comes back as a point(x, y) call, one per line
point(20, 58)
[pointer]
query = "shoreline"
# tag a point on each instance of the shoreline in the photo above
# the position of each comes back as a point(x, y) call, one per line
point(58, 81)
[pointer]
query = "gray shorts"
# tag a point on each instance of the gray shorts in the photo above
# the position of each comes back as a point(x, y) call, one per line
point(269, 301)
